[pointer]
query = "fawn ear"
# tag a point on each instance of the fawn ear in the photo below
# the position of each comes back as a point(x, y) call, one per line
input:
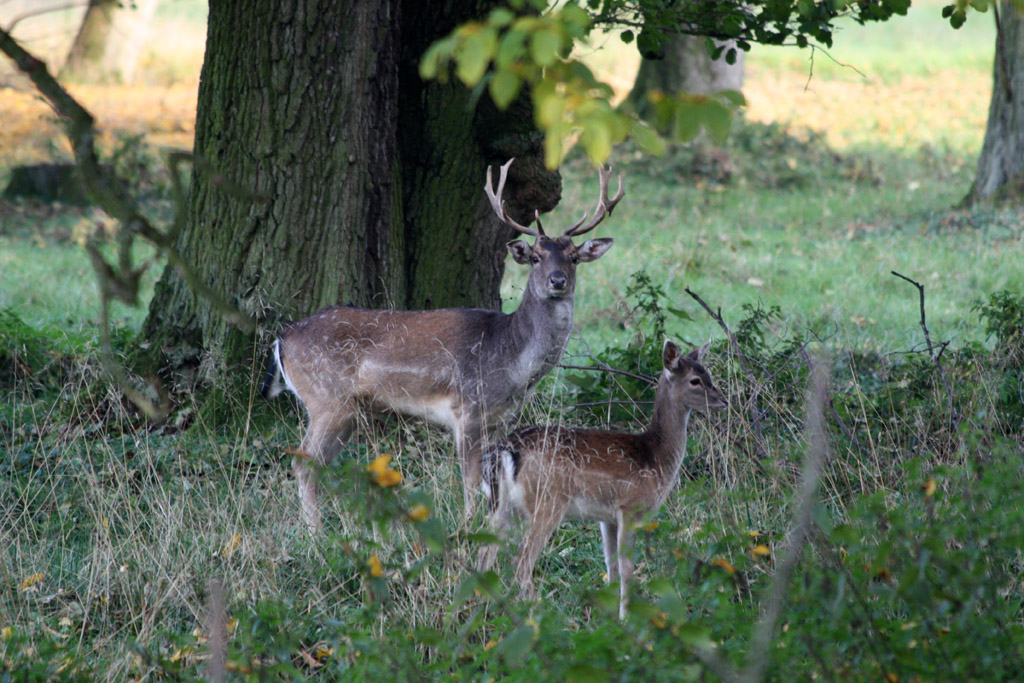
point(520, 250)
point(670, 355)
point(697, 355)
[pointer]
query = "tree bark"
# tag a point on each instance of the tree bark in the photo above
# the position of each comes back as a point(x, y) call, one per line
point(1000, 173)
point(108, 43)
point(371, 179)
point(686, 67)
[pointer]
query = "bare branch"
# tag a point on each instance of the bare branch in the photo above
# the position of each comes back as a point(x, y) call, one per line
point(755, 412)
point(936, 357)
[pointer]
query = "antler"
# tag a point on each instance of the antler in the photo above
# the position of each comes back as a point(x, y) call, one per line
point(604, 205)
point(499, 206)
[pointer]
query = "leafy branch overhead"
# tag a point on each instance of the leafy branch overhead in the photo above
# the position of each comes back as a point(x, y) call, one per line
point(528, 47)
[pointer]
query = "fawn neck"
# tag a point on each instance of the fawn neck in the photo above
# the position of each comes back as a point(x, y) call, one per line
point(667, 432)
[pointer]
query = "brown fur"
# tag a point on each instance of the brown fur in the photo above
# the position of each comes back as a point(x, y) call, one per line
point(549, 473)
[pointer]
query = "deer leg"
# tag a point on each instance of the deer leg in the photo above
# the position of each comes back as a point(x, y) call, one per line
point(545, 519)
point(469, 442)
point(321, 444)
point(499, 523)
point(610, 545)
point(626, 565)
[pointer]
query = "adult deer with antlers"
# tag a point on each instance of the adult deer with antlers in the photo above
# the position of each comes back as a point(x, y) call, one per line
point(464, 369)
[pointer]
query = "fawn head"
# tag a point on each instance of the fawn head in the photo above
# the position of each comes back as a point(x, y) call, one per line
point(688, 383)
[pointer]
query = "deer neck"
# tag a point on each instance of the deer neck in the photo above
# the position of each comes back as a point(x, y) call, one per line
point(667, 435)
point(537, 334)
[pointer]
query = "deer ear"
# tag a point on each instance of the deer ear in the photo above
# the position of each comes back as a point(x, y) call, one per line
point(697, 355)
point(591, 250)
point(670, 354)
point(520, 250)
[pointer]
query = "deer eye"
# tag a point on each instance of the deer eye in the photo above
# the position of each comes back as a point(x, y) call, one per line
point(574, 258)
point(535, 259)
point(695, 382)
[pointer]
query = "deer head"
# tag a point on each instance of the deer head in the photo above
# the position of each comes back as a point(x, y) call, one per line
point(553, 259)
point(688, 384)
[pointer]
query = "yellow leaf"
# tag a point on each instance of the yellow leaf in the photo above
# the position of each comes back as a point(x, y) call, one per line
point(231, 546)
point(724, 564)
point(929, 488)
point(31, 580)
point(761, 550)
point(373, 563)
point(419, 512)
point(381, 474)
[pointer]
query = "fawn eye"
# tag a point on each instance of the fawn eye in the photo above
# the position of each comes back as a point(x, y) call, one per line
point(535, 259)
point(575, 258)
point(695, 382)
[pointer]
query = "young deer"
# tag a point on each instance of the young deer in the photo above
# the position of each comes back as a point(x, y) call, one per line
point(464, 369)
point(549, 473)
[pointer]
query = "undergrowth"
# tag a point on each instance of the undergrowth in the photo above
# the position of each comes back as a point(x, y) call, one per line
point(139, 552)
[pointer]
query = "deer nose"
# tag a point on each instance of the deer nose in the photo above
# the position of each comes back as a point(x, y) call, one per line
point(557, 280)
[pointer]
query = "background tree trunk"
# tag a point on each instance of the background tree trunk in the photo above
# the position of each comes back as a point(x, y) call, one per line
point(1000, 173)
point(108, 43)
point(372, 180)
point(686, 67)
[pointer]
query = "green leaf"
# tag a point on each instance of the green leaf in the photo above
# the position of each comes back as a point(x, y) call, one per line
point(627, 37)
point(661, 587)
point(607, 598)
point(439, 52)
point(596, 138)
point(679, 313)
point(553, 147)
point(544, 46)
point(647, 138)
point(575, 17)
point(504, 87)
point(500, 17)
point(511, 49)
point(517, 645)
point(733, 97)
point(717, 119)
point(584, 673)
point(695, 636)
point(548, 106)
point(644, 610)
point(805, 8)
point(466, 591)
point(686, 121)
point(474, 55)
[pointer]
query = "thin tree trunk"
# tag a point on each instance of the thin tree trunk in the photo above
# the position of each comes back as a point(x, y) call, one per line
point(686, 67)
point(109, 42)
point(1000, 173)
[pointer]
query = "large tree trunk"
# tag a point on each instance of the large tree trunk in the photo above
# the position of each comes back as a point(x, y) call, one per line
point(1001, 164)
point(686, 67)
point(108, 43)
point(371, 179)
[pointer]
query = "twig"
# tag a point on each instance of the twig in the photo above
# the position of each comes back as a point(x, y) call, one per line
point(752, 407)
point(954, 418)
point(807, 495)
point(604, 367)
